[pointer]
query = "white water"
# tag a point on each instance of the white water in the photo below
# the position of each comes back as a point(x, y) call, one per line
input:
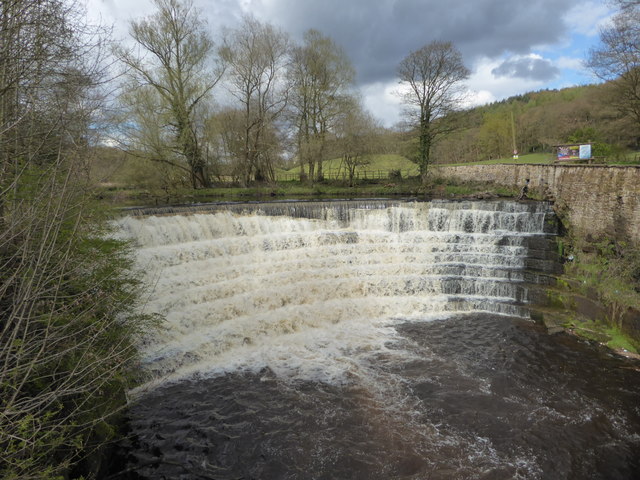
point(312, 298)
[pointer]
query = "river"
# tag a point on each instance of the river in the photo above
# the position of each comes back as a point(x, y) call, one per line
point(367, 340)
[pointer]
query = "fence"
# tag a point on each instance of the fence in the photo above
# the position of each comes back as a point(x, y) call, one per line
point(335, 174)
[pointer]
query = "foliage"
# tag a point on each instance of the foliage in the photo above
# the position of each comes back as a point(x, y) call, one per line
point(432, 78)
point(618, 59)
point(66, 295)
point(322, 79)
point(257, 55)
point(66, 304)
point(357, 140)
point(611, 268)
point(166, 87)
point(541, 120)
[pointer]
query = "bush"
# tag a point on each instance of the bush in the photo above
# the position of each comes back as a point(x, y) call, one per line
point(67, 310)
point(395, 174)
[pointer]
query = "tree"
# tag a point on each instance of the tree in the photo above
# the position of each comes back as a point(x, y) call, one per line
point(322, 79)
point(166, 85)
point(64, 296)
point(432, 76)
point(357, 132)
point(258, 57)
point(495, 134)
point(618, 58)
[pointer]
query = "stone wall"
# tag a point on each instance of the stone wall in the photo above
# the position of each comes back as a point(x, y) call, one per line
point(598, 201)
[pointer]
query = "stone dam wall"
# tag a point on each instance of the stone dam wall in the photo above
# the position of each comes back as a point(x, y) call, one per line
point(598, 201)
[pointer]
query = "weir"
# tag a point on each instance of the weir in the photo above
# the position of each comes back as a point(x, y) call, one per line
point(237, 282)
point(368, 340)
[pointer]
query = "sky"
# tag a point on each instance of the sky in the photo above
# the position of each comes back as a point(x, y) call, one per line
point(510, 46)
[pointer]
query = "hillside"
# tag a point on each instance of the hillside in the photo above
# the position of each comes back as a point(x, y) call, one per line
point(538, 121)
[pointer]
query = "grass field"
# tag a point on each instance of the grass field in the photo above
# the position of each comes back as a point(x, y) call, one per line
point(532, 158)
point(379, 166)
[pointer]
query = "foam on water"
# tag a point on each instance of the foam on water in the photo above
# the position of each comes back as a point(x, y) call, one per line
point(311, 297)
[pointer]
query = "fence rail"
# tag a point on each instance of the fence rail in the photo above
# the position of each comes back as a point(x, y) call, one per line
point(359, 175)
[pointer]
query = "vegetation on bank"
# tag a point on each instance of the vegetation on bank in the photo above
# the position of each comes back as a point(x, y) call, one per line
point(68, 302)
point(606, 272)
point(68, 295)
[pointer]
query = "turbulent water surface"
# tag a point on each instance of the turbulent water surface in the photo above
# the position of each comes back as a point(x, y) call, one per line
point(367, 341)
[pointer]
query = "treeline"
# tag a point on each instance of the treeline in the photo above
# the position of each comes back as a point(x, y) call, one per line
point(257, 101)
point(275, 99)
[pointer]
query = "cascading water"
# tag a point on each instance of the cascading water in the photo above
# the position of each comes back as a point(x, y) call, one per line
point(362, 340)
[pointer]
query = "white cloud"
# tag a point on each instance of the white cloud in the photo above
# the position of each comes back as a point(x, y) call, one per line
point(117, 13)
point(588, 17)
point(381, 100)
point(571, 63)
point(477, 98)
point(484, 84)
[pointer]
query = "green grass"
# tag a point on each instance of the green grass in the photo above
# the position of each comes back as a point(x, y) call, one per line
point(376, 163)
point(605, 334)
point(533, 158)
point(619, 341)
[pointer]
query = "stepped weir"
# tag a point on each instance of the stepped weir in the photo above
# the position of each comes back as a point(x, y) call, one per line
point(361, 339)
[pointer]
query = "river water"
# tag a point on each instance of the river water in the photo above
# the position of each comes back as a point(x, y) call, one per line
point(369, 340)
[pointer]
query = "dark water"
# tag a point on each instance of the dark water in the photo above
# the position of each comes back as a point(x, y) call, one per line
point(471, 397)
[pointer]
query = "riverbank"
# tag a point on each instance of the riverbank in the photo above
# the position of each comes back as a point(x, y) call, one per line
point(402, 188)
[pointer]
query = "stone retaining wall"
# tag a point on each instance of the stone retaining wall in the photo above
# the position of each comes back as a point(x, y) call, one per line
point(598, 201)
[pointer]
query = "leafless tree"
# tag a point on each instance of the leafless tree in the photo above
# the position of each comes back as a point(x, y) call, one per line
point(258, 58)
point(432, 78)
point(618, 58)
point(357, 133)
point(323, 78)
point(62, 352)
point(167, 81)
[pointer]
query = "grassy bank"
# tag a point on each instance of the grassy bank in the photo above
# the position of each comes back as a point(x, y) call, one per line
point(598, 296)
point(292, 190)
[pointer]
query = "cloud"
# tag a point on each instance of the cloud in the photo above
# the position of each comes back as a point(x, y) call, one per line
point(528, 67)
point(381, 99)
point(484, 86)
point(378, 34)
point(499, 40)
point(588, 18)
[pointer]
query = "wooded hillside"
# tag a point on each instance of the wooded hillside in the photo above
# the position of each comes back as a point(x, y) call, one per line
point(539, 120)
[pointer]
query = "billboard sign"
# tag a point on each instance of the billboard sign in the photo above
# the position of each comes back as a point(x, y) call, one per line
point(574, 152)
point(585, 152)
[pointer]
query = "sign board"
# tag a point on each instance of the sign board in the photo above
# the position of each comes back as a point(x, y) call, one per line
point(574, 152)
point(585, 152)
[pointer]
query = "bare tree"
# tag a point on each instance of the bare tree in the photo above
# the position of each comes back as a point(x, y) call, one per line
point(357, 132)
point(166, 84)
point(432, 77)
point(618, 58)
point(258, 58)
point(323, 77)
point(64, 296)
